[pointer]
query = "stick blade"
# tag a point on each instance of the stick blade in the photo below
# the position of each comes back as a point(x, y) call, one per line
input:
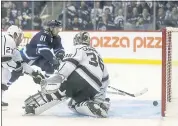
point(141, 92)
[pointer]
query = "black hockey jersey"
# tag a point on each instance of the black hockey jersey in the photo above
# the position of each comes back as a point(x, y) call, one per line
point(41, 45)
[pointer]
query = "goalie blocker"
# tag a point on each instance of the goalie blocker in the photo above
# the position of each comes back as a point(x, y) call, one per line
point(80, 78)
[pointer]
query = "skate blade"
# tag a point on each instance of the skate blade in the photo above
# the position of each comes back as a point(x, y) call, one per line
point(29, 114)
point(4, 108)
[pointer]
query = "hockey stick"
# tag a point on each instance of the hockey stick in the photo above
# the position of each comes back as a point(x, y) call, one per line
point(116, 93)
point(120, 92)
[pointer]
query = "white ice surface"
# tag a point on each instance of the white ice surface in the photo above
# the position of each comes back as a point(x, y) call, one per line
point(125, 111)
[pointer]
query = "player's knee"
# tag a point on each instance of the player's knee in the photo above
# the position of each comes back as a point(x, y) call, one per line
point(15, 76)
point(4, 87)
point(71, 105)
point(47, 67)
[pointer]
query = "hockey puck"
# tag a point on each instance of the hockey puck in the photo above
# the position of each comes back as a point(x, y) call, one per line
point(155, 103)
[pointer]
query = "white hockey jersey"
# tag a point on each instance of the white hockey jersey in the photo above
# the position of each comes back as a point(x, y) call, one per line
point(87, 62)
point(7, 53)
point(8, 45)
point(10, 55)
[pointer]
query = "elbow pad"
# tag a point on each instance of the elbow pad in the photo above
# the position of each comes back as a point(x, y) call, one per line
point(6, 59)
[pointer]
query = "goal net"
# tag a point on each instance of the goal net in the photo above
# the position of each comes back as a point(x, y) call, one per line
point(170, 72)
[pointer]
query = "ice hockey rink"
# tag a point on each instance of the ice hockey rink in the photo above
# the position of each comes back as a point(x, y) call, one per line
point(124, 111)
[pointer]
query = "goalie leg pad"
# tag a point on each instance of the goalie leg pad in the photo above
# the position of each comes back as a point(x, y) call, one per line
point(40, 102)
point(91, 108)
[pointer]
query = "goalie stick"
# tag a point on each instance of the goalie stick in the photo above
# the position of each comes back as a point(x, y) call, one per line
point(120, 92)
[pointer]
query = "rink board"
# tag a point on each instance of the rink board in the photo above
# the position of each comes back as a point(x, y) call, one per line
point(122, 47)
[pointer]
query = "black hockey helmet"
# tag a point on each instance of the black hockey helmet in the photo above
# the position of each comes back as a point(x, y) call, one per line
point(54, 23)
point(54, 27)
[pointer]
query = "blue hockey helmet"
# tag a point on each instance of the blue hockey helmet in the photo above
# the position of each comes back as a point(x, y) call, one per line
point(54, 23)
point(54, 26)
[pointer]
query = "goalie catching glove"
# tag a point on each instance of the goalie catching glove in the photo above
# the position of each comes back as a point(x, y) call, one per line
point(51, 85)
point(37, 77)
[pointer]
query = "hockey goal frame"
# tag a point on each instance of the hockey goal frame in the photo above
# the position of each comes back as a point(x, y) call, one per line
point(166, 68)
point(163, 102)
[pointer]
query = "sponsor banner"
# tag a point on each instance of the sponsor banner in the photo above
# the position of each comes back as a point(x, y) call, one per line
point(124, 47)
point(119, 41)
point(118, 47)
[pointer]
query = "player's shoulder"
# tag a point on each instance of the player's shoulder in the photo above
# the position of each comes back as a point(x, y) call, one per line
point(45, 33)
point(8, 39)
point(78, 48)
point(73, 50)
point(87, 48)
point(57, 38)
point(82, 47)
point(7, 36)
point(42, 36)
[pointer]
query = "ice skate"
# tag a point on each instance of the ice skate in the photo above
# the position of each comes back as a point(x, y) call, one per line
point(4, 106)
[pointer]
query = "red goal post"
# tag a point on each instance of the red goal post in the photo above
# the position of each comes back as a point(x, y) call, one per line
point(170, 72)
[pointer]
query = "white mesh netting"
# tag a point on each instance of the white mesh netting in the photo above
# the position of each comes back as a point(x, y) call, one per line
point(171, 72)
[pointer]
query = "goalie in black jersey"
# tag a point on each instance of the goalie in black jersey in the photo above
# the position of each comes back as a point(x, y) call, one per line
point(45, 50)
point(82, 77)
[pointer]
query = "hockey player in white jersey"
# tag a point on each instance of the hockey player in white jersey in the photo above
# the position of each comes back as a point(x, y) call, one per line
point(82, 77)
point(11, 58)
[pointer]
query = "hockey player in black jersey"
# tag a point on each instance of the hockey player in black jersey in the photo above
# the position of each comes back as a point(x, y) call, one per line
point(39, 51)
point(44, 50)
point(82, 77)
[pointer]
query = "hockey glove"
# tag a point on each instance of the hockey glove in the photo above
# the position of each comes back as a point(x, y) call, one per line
point(51, 84)
point(37, 77)
point(60, 54)
point(56, 63)
point(19, 67)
